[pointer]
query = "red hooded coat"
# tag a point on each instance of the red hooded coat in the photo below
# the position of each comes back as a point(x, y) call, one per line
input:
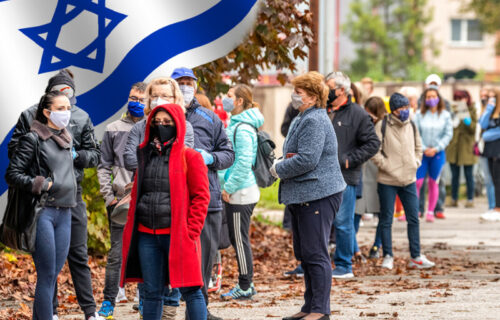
point(190, 196)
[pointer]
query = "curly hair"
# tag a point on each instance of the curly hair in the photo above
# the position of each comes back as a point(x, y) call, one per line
point(314, 85)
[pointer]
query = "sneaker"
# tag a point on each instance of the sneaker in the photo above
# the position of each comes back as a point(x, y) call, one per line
point(388, 262)
point(238, 293)
point(337, 273)
point(55, 317)
point(106, 310)
point(140, 309)
point(469, 204)
point(421, 263)
point(429, 217)
point(254, 292)
point(297, 272)
point(490, 215)
point(212, 317)
point(453, 203)
point(169, 313)
point(402, 218)
point(359, 257)
point(97, 317)
point(440, 215)
point(216, 279)
point(121, 297)
point(367, 217)
point(374, 253)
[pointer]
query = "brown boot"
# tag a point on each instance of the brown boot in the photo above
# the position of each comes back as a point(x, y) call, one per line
point(453, 203)
point(469, 204)
point(169, 313)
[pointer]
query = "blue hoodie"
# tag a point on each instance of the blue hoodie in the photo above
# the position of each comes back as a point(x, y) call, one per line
point(240, 175)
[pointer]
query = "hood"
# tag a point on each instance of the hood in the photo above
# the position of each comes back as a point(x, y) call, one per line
point(252, 116)
point(177, 115)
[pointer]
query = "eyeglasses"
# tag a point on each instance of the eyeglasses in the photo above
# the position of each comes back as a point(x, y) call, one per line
point(164, 97)
point(136, 99)
point(159, 122)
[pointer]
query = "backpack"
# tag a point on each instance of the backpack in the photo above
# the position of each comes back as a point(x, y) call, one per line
point(265, 157)
point(384, 127)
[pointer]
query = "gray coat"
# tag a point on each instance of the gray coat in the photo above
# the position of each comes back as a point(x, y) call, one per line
point(369, 203)
point(311, 171)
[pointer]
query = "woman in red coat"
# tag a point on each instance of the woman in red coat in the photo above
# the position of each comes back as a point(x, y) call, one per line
point(170, 198)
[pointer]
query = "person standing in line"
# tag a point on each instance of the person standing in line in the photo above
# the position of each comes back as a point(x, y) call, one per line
point(357, 143)
point(240, 191)
point(43, 166)
point(211, 141)
point(459, 152)
point(435, 128)
point(398, 159)
point(113, 177)
point(86, 154)
point(311, 186)
point(490, 123)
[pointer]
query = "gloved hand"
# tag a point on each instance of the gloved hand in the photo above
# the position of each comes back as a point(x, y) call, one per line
point(207, 157)
point(73, 152)
point(272, 170)
point(467, 121)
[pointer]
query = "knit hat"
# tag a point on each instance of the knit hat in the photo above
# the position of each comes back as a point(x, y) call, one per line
point(65, 78)
point(398, 101)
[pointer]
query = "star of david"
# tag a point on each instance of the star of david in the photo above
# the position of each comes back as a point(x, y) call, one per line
point(93, 55)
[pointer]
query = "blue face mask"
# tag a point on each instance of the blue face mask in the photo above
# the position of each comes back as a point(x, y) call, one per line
point(404, 114)
point(136, 109)
point(227, 104)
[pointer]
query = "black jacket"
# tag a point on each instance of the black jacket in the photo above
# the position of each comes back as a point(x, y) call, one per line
point(210, 135)
point(356, 137)
point(290, 114)
point(153, 208)
point(42, 156)
point(82, 132)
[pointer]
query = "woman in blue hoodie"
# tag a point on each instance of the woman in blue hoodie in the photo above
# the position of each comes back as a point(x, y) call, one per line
point(240, 191)
point(490, 123)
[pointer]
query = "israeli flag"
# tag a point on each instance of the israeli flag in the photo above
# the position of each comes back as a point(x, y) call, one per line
point(108, 45)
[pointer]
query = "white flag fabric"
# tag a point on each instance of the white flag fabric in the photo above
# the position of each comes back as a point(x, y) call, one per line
point(108, 45)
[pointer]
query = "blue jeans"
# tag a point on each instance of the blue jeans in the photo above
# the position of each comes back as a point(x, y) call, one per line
point(53, 234)
point(344, 230)
point(357, 220)
point(378, 235)
point(455, 181)
point(409, 199)
point(153, 255)
point(490, 187)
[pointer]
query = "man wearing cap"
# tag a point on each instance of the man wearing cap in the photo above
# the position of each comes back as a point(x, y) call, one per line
point(86, 154)
point(211, 141)
point(113, 177)
point(398, 159)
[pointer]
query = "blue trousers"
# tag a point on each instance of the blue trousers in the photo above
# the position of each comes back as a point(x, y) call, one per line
point(153, 254)
point(344, 230)
point(409, 199)
point(53, 234)
point(455, 181)
point(311, 226)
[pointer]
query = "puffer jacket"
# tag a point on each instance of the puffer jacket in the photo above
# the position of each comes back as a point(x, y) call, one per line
point(240, 175)
point(82, 132)
point(54, 164)
point(403, 151)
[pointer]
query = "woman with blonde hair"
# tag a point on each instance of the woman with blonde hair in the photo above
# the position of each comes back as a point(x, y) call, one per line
point(311, 186)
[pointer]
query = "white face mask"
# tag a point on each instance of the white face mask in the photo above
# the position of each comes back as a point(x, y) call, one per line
point(60, 118)
point(297, 101)
point(187, 93)
point(158, 102)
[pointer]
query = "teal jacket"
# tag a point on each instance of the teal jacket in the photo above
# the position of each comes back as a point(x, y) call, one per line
point(240, 174)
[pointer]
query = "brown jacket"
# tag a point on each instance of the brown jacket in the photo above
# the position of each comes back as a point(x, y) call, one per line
point(459, 151)
point(403, 153)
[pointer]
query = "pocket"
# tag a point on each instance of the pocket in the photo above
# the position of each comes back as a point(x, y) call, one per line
point(306, 177)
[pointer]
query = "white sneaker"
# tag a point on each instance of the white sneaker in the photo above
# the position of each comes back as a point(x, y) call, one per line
point(55, 317)
point(121, 297)
point(95, 317)
point(367, 217)
point(388, 262)
point(490, 215)
point(421, 263)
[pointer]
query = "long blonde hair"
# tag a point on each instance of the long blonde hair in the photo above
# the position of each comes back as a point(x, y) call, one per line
point(178, 97)
point(245, 92)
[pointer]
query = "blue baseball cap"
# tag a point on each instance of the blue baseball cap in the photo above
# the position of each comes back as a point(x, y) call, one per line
point(183, 72)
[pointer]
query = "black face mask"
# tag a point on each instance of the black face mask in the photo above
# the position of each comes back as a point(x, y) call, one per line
point(484, 101)
point(331, 97)
point(164, 132)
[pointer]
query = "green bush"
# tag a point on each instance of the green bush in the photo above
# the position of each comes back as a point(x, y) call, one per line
point(269, 198)
point(98, 230)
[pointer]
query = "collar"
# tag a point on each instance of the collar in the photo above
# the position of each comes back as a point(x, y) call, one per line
point(63, 139)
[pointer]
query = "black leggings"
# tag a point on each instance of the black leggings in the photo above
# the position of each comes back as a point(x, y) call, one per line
point(494, 165)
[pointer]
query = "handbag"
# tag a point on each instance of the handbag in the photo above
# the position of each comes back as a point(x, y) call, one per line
point(478, 148)
point(120, 212)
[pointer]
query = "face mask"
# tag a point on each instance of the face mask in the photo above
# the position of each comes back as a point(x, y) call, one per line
point(296, 101)
point(432, 103)
point(60, 118)
point(187, 93)
point(164, 132)
point(484, 101)
point(158, 102)
point(136, 109)
point(227, 104)
point(332, 96)
point(64, 88)
point(404, 114)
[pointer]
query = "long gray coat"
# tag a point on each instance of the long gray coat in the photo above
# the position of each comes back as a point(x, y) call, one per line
point(369, 203)
point(313, 171)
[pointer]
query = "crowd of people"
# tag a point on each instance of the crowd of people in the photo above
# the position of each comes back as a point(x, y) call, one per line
point(177, 175)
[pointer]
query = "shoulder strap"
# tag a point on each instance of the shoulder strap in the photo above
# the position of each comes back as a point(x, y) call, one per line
point(384, 127)
point(236, 129)
point(414, 132)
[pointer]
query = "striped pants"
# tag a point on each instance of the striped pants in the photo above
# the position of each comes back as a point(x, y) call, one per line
point(238, 222)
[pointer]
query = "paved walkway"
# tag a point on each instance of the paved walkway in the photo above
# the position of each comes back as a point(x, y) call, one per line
point(465, 285)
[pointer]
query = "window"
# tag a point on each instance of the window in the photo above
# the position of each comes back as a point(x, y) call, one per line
point(466, 32)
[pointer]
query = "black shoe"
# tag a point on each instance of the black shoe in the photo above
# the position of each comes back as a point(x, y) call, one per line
point(212, 317)
point(292, 318)
point(135, 307)
point(374, 253)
